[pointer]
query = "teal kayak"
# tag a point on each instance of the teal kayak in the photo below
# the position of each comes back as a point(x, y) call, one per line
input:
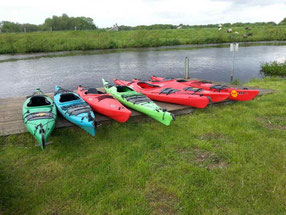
point(75, 109)
point(39, 115)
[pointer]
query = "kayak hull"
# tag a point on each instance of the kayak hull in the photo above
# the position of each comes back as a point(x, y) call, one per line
point(75, 109)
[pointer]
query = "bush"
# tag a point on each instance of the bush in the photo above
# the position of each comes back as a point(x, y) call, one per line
point(236, 82)
point(273, 69)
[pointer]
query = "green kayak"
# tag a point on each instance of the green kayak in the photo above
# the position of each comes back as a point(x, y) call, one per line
point(139, 102)
point(39, 115)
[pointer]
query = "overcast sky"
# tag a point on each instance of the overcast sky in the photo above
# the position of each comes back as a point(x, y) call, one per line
point(145, 12)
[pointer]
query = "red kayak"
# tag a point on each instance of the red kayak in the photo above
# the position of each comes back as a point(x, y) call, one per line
point(234, 93)
point(104, 104)
point(169, 95)
point(215, 96)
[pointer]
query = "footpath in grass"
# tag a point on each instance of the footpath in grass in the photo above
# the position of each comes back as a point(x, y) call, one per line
point(227, 159)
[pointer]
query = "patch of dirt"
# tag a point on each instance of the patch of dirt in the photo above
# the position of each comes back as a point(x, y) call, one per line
point(161, 201)
point(163, 209)
point(219, 165)
point(273, 122)
point(208, 160)
point(203, 158)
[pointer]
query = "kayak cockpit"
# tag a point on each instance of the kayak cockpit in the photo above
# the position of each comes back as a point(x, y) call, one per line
point(66, 97)
point(123, 89)
point(36, 101)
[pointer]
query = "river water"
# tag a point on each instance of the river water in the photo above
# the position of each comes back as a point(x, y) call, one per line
point(19, 78)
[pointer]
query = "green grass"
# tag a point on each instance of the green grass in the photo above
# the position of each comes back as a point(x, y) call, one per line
point(274, 69)
point(91, 40)
point(227, 159)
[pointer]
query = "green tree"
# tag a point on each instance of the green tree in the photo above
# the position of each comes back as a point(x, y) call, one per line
point(29, 27)
point(65, 22)
point(283, 22)
point(10, 27)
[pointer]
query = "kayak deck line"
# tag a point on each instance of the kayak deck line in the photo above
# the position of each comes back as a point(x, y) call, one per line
point(11, 121)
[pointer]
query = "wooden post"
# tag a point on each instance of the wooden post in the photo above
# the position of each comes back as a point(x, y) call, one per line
point(232, 71)
point(187, 68)
point(233, 49)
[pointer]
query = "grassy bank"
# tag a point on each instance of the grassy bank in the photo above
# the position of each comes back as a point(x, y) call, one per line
point(91, 40)
point(222, 160)
point(274, 69)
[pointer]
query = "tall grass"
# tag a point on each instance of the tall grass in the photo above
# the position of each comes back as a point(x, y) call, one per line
point(90, 40)
point(274, 69)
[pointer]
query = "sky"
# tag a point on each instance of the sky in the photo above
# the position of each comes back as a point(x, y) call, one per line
point(105, 13)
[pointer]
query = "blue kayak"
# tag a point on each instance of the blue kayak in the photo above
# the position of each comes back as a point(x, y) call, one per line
point(75, 109)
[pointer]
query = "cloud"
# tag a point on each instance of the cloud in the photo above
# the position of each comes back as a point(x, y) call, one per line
point(146, 12)
point(253, 2)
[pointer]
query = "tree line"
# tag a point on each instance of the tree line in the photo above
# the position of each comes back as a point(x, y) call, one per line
point(182, 26)
point(64, 22)
point(56, 23)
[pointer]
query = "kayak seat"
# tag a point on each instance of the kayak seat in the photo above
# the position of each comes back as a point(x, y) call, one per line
point(122, 89)
point(92, 91)
point(146, 85)
point(68, 97)
point(36, 101)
